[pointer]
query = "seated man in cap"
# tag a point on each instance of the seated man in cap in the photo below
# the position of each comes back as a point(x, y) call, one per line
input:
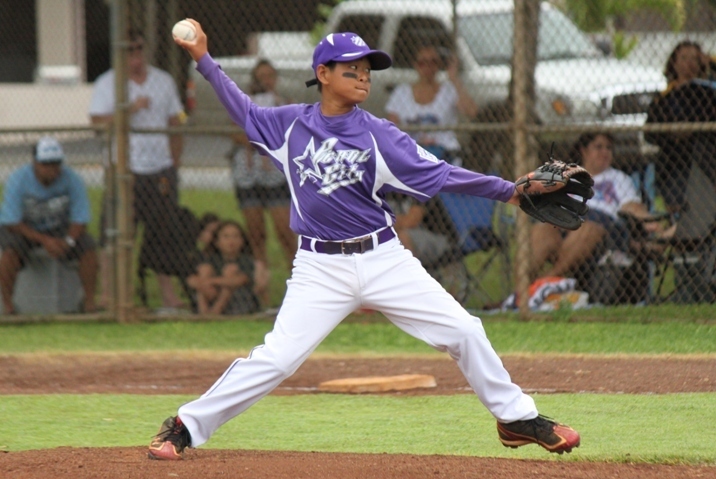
point(45, 205)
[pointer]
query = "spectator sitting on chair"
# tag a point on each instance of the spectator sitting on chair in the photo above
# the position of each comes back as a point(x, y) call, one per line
point(429, 101)
point(690, 96)
point(614, 192)
point(224, 276)
point(416, 230)
point(46, 205)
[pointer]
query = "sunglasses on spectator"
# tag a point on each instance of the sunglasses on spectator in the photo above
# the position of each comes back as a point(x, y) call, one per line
point(428, 61)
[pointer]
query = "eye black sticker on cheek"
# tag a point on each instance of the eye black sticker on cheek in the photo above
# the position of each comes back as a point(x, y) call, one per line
point(350, 75)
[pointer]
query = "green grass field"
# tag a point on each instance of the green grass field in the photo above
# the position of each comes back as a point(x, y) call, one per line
point(661, 426)
point(615, 428)
point(370, 338)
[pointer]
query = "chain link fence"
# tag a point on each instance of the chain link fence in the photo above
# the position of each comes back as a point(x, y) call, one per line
point(194, 198)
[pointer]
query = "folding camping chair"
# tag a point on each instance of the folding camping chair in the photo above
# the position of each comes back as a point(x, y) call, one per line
point(692, 251)
point(615, 277)
point(477, 225)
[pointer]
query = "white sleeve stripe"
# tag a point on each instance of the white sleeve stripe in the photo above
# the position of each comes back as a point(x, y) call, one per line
point(281, 155)
point(383, 175)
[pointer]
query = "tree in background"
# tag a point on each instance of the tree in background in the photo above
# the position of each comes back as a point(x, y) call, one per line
point(604, 15)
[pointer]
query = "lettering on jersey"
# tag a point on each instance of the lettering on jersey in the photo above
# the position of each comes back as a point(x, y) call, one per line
point(426, 155)
point(330, 168)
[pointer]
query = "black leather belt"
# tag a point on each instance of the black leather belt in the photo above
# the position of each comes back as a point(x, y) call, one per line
point(356, 246)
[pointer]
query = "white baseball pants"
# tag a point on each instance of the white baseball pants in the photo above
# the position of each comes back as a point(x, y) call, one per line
point(322, 291)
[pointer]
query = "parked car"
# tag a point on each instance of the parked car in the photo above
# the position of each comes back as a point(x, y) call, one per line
point(575, 82)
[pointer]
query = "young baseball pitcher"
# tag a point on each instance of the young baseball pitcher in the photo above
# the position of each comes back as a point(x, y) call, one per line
point(339, 161)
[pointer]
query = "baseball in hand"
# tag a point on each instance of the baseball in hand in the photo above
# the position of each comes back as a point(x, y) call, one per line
point(184, 30)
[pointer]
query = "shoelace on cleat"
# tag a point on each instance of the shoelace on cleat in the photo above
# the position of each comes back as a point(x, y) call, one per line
point(176, 434)
point(542, 423)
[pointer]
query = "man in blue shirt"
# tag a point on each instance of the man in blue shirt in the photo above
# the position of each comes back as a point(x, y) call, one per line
point(45, 205)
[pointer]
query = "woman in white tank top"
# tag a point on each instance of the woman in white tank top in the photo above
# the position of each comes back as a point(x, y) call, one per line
point(429, 101)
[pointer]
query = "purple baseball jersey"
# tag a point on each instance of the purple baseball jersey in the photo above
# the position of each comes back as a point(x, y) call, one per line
point(339, 167)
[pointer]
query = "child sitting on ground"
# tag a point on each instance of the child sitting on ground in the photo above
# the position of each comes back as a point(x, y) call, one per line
point(223, 278)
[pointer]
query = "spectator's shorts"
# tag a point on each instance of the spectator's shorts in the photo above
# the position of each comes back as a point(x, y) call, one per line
point(23, 246)
point(263, 196)
point(617, 230)
point(154, 194)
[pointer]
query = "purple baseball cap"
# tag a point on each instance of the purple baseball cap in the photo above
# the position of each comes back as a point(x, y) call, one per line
point(344, 47)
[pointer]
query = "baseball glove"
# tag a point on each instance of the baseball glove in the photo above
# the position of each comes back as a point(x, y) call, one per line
point(556, 193)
